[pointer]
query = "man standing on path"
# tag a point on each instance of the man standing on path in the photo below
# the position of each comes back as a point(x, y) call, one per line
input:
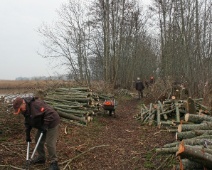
point(139, 86)
point(46, 120)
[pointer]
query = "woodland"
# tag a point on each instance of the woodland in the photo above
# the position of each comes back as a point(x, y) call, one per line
point(117, 41)
point(104, 46)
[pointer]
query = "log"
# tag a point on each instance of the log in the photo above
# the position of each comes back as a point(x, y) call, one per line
point(152, 117)
point(198, 100)
point(203, 137)
point(171, 150)
point(196, 154)
point(68, 99)
point(85, 89)
point(202, 126)
point(147, 117)
point(184, 94)
point(170, 101)
point(202, 107)
point(53, 101)
point(144, 115)
point(192, 134)
point(72, 117)
point(80, 113)
point(167, 123)
point(168, 111)
point(162, 110)
point(191, 106)
point(177, 111)
point(63, 106)
point(189, 165)
point(169, 145)
point(194, 141)
point(158, 116)
point(190, 142)
point(150, 107)
point(197, 118)
point(69, 95)
point(144, 107)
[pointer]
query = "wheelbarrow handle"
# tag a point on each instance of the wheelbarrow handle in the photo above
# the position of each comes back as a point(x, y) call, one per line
point(36, 146)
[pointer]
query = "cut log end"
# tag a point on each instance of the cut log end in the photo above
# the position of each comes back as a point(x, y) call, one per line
point(179, 129)
point(181, 148)
point(89, 118)
point(186, 117)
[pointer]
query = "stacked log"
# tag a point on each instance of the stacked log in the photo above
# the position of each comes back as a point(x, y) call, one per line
point(167, 113)
point(79, 104)
point(193, 145)
point(171, 112)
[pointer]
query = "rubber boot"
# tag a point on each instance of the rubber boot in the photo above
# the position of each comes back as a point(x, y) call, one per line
point(54, 166)
point(38, 160)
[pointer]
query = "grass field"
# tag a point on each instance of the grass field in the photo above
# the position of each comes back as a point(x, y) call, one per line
point(31, 84)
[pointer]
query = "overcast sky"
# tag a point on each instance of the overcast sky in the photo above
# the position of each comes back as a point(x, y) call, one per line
point(19, 39)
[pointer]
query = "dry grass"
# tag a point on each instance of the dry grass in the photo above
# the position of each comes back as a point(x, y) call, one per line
point(32, 84)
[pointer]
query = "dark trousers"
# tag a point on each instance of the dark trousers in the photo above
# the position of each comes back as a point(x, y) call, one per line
point(50, 137)
point(140, 94)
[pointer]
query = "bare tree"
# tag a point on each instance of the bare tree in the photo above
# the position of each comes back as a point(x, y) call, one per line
point(185, 29)
point(67, 41)
point(121, 31)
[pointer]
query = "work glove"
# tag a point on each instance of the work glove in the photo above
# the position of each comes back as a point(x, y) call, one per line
point(28, 139)
point(44, 129)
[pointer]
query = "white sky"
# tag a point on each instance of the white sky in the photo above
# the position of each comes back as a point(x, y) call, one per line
point(19, 39)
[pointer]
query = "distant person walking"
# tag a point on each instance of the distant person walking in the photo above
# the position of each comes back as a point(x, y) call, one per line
point(151, 81)
point(139, 86)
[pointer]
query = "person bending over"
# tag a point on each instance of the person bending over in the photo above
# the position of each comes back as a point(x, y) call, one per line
point(41, 116)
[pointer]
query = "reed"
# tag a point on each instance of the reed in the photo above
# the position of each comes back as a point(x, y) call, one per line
point(31, 84)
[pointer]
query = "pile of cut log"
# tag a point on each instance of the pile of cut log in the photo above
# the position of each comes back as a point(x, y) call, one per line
point(193, 145)
point(170, 112)
point(79, 104)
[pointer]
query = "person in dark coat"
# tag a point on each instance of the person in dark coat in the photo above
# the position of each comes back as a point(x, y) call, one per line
point(42, 117)
point(139, 86)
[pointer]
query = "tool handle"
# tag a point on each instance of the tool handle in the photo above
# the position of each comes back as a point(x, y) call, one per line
point(27, 156)
point(41, 134)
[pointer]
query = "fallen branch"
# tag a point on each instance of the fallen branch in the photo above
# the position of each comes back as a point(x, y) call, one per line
point(11, 166)
point(70, 160)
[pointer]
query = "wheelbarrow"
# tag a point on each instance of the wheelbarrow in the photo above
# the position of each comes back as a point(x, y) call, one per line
point(109, 106)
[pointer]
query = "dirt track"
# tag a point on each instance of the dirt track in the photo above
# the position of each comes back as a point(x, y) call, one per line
point(119, 143)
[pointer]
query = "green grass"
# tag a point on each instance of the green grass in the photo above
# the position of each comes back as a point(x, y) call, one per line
point(148, 163)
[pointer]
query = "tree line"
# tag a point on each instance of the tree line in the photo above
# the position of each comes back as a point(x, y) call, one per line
point(119, 40)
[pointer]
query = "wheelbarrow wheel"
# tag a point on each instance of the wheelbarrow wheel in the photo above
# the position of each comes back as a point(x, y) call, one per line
point(114, 114)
